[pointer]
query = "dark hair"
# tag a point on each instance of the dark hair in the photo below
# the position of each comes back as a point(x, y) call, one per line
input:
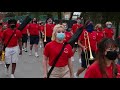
point(12, 21)
point(35, 21)
point(100, 56)
point(49, 18)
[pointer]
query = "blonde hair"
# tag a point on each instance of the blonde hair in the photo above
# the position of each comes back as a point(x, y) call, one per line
point(98, 25)
point(55, 29)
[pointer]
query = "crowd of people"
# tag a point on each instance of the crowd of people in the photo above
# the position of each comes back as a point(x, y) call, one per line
point(96, 47)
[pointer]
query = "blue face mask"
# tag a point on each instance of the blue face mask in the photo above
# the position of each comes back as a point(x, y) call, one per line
point(109, 26)
point(89, 28)
point(60, 36)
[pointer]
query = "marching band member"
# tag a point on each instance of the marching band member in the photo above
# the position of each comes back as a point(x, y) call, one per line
point(108, 31)
point(25, 38)
point(11, 51)
point(33, 29)
point(88, 42)
point(104, 65)
point(63, 67)
point(48, 29)
point(74, 28)
point(99, 30)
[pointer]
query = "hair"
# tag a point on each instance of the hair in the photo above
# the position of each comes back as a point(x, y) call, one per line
point(12, 21)
point(33, 19)
point(55, 29)
point(98, 25)
point(48, 19)
point(100, 56)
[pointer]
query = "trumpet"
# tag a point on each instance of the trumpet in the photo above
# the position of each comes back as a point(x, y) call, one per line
point(3, 56)
point(45, 34)
point(87, 37)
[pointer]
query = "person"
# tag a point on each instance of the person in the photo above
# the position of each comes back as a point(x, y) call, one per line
point(64, 66)
point(99, 31)
point(104, 65)
point(25, 38)
point(12, 49)
point(33, 32)
point(74, 29)
point(88, 42)
point(118, 44)
point(108, 30)
point(48, 27)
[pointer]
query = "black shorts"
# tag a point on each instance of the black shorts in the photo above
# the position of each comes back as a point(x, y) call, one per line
point(83, 60)
point(34, 39)
point(48, 39)
point(24, 38)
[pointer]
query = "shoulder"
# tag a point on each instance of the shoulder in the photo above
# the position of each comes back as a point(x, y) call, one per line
point(94, 66)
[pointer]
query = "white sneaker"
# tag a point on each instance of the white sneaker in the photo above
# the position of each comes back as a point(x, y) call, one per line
point(80, 60)
point(25, 49)
point(75, 76)
point(36, 54)
point(12, 76)
point(72, 58)
point(30, 53)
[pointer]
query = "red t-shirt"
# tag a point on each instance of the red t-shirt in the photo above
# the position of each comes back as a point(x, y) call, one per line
point(92, 38)
point(24, 31)
point(41, 28)
point(108, 32)
point(33, 29)
point(93, 71)
point(14, 41)
point(75, 27)
point(53, 48)
point(68, 36)
point(100, 35)
point(17, 25)
point(49, 29)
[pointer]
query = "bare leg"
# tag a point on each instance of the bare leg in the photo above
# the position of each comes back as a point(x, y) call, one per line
point(13, 67)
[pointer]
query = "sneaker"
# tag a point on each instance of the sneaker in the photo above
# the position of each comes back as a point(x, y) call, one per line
point(12, 76)
point(72, 58)
point(80, 60)
point(36, 54)
point(25, 49)
point(75, 76)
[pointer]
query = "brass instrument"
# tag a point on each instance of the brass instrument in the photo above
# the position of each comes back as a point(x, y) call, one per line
point(86, 37)
point(3, 56)
point(45, 34)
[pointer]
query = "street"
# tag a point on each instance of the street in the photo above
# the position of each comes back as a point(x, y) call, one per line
point(31, 67)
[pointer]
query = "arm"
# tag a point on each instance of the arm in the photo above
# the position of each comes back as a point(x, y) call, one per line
point(70, 66)
point(45, 70)
point(83, 47)
point(20, 45)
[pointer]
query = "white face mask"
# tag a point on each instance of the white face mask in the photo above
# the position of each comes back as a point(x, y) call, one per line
point(109, 26)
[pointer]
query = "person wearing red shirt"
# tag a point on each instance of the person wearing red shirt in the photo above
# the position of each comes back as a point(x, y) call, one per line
point(108, 31)
point(33, 29)
point(74, 29)
point(100, 34)
point(104, 65)
point(48, 27)
point(25, 38)
point(11, 51)
point(18, 24)
point(88, 37)
point(64, 66)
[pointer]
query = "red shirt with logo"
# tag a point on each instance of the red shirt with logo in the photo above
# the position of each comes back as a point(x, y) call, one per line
point(93, 71)
point(92, 38)
point(68, 36)
point(33, 29)
point(100, 35)
point(52, 49)
point(108, 32)
point(49, 29)
point(14, 40)
point(75, 27)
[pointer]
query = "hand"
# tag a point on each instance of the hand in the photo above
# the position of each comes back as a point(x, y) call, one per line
point(20, 52)
point(45, 76)
point(84, 48)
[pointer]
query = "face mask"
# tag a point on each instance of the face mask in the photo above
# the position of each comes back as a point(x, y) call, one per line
point(60, 36)
point(111, 55)
point(78, 21)
point(89, 28)
point(109, 26)
point(12, 26)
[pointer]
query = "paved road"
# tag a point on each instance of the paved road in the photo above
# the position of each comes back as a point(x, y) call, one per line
point(31, 67)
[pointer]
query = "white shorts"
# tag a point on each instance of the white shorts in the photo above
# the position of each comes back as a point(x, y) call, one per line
point(11, 55)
